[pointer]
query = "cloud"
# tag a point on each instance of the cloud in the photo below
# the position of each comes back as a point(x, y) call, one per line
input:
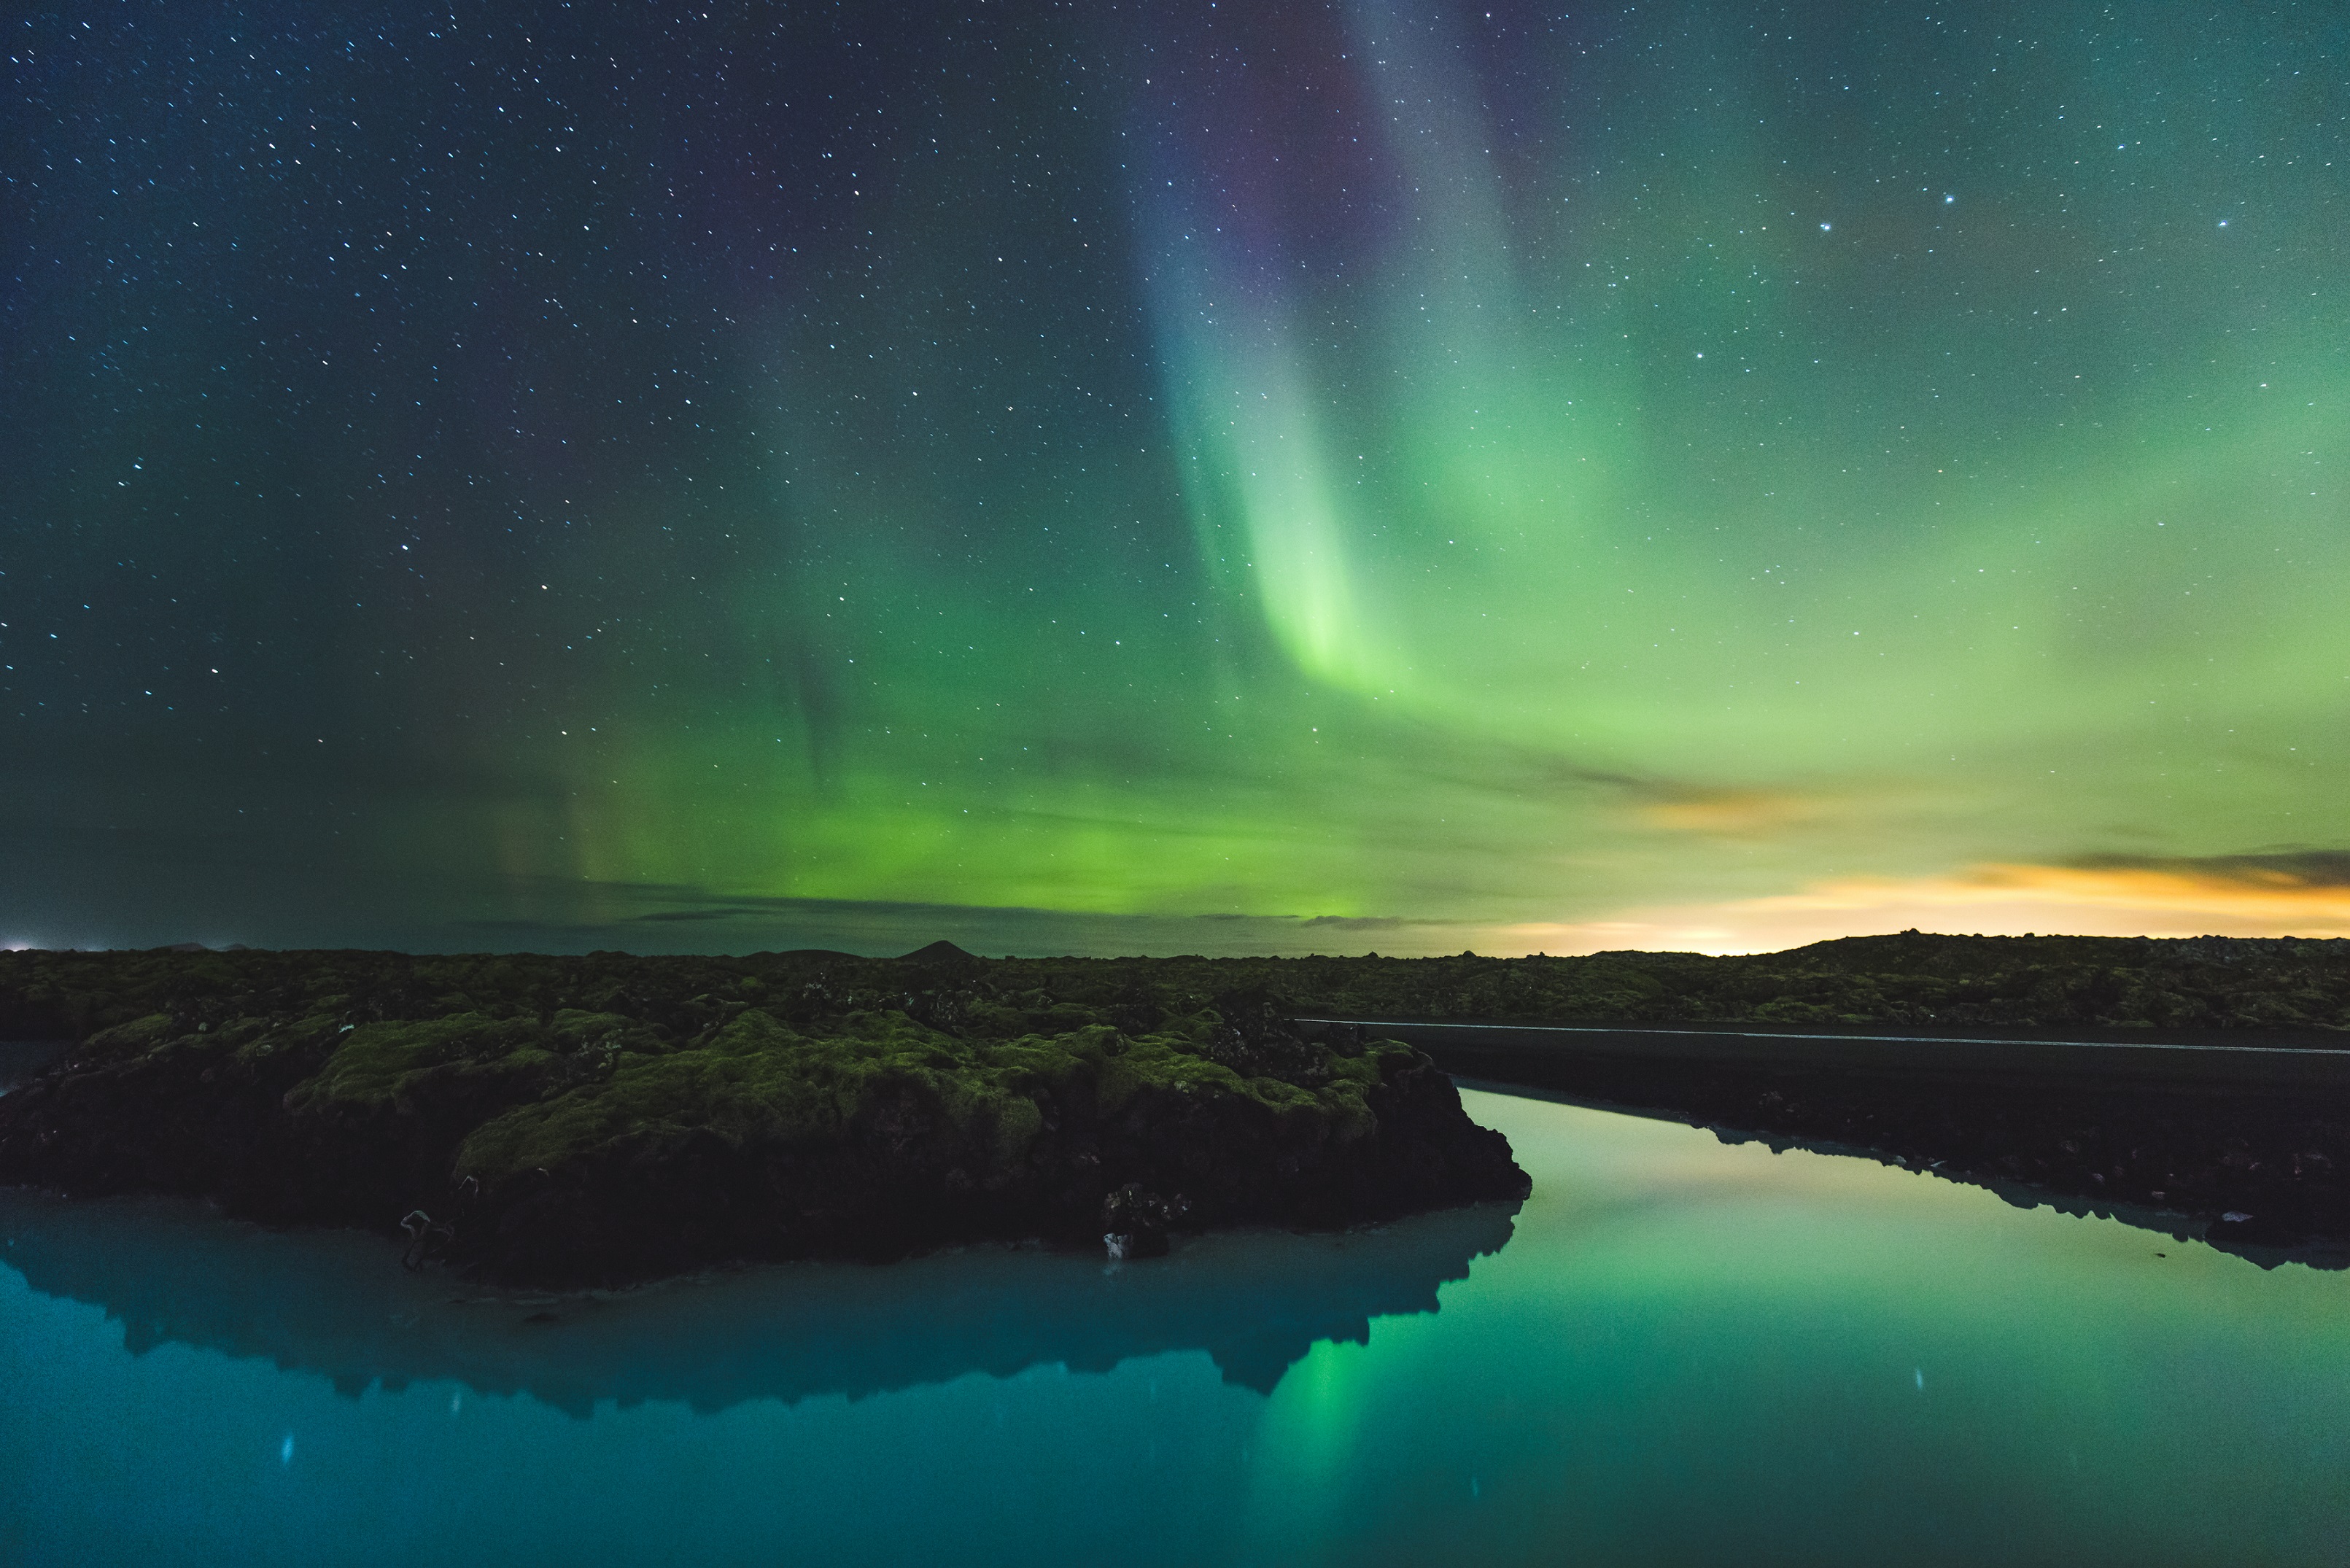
point(2310, 868)
point(1731, 813)
point(1681, 806)
point(2283, 894)
point(1654, 800)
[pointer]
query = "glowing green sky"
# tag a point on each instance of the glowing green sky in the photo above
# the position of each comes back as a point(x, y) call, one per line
point(1696, 476)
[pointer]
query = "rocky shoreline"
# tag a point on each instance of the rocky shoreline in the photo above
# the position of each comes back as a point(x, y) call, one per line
point(604, 1121)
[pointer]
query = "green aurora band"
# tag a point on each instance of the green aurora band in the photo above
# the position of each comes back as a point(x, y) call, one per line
point(1701, 479)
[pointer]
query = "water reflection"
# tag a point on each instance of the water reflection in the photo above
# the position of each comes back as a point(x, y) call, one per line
point(2181, 1229)
point(1690, 1352)
point(337, 1305)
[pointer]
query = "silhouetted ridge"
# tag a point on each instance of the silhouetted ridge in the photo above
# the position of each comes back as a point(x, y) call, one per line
point(1930, 952)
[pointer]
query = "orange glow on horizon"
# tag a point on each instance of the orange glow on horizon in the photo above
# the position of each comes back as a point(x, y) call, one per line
point(1996, 899)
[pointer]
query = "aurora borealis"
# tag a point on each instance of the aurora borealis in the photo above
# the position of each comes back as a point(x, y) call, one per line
point(1174, 477)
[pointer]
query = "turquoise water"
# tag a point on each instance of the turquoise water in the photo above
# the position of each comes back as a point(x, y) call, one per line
point(1677, 1351)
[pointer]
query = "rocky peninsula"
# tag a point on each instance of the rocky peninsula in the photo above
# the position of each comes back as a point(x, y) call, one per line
point(607, 1118)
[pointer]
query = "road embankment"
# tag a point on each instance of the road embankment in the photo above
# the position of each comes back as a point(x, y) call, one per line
point(2245, 1144)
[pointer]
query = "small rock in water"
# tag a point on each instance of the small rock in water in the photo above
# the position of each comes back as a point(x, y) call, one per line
point(1135, 1220)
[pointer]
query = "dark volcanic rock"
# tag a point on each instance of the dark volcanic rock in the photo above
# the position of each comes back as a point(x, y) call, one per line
point(1135, 1222)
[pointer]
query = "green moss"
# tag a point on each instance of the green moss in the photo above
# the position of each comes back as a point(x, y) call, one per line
point(1197, 1029)
point(379, 1063)
point(890, 1029)
point(759, 1080)
point(755, 1079)
point(135, 1038)
point(273, 1038)
point(1163, 1063)
point(576, 1029)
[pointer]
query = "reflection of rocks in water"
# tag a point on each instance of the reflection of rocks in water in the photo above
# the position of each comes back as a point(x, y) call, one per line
point(2110, 1135)
point(2265, 1240)
point(336, 1303)
point(2256, 1238)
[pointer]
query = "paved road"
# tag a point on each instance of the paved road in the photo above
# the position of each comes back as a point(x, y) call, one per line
point(1491, 1049)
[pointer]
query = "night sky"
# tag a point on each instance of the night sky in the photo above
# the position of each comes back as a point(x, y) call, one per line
point(1172, 478)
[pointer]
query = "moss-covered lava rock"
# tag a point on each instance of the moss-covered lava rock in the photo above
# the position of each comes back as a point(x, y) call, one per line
point(677, 1117)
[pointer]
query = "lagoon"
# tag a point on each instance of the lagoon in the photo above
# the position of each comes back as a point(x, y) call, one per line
point(1678, 1350)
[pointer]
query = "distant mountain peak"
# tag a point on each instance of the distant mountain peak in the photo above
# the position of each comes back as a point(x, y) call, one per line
point(941, 951)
